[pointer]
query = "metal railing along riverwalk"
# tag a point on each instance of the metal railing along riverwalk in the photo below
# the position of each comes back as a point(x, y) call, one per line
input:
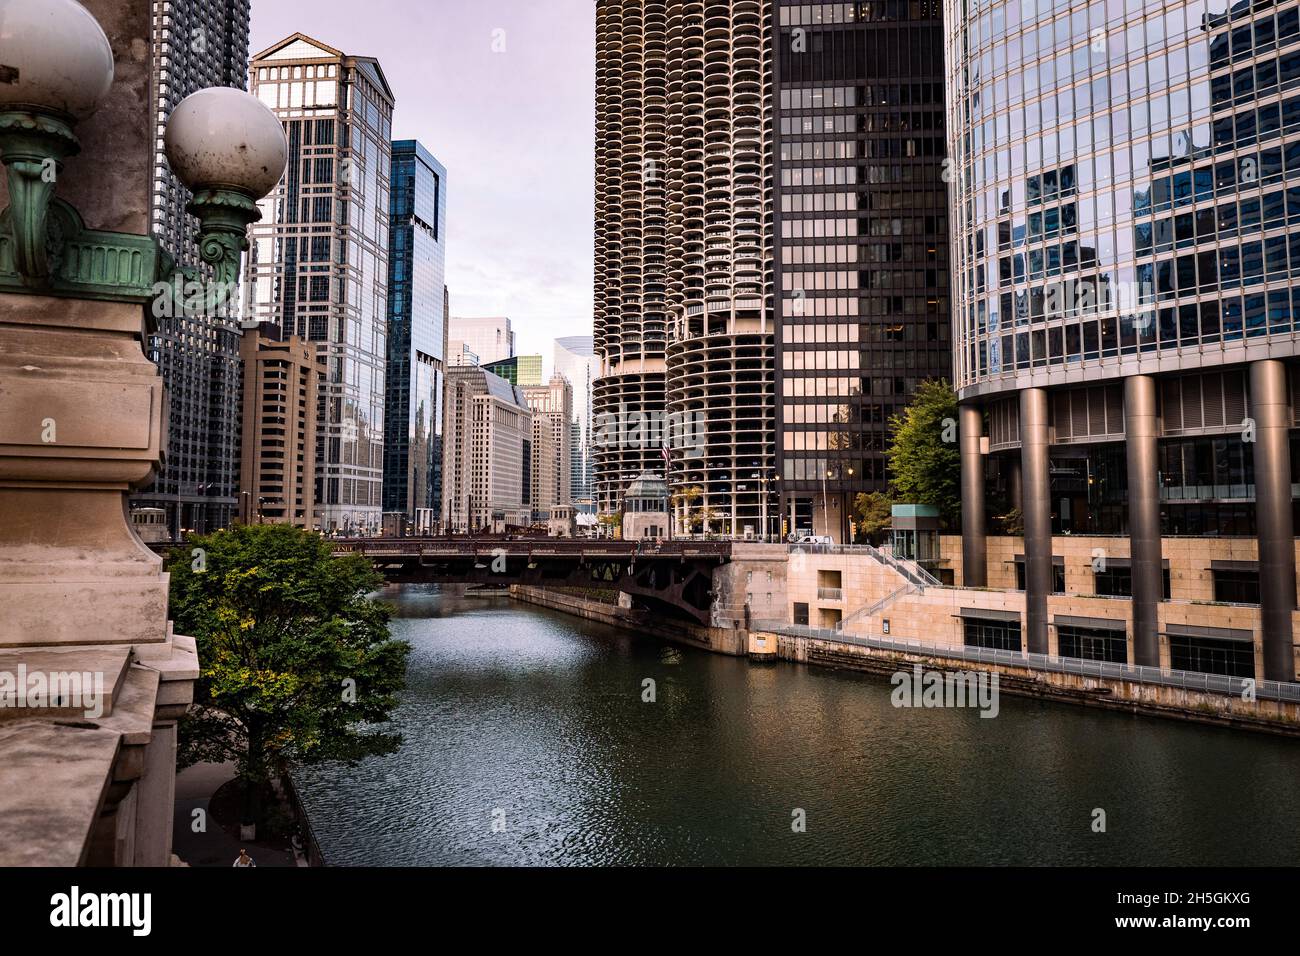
point(1188, 680)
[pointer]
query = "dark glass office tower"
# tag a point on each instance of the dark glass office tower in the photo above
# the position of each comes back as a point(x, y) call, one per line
point(417, 337)
point(1126, 194)
point(196, 44)
point(861, 242)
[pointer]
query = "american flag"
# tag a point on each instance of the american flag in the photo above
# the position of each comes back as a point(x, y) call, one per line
point(667, 460)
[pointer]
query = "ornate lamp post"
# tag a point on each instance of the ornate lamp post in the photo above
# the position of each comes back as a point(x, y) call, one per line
point(81, 407)
point(58, 67)
point(230, 151)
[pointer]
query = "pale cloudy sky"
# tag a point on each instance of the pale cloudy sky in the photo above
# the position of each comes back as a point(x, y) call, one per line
point(513, 128)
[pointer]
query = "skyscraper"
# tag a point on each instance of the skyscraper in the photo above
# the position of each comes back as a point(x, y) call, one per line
point(861, 243)
point(277, 414)
point(491, 339)
point(486, 449)
point(318, 262)
point(551, 451)
point(417, 336)
point(1126, 197)
point(196, 44)
point(683, 297)
point(518, 369)
point(575, 359)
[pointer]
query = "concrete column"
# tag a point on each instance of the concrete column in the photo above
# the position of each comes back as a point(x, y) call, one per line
point(156, 803)
point(1277, 591)
point(974, 545)
point(1014, 484)
point(1141, 436)
point(1037, 510)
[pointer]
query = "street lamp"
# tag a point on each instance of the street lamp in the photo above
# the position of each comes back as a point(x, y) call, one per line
point(57, 67)
point(224, 144)
point(826, 504)
point(56, 70)
point(230, 150)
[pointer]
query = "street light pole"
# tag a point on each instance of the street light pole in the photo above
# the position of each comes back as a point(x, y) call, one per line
point(826, 505)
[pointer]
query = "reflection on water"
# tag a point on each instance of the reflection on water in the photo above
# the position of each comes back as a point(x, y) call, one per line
point(527, 742)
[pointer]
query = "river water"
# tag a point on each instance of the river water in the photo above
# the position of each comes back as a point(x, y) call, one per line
point(527, 741)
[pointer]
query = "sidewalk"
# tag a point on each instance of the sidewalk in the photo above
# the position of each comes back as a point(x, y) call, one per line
point(215, 847)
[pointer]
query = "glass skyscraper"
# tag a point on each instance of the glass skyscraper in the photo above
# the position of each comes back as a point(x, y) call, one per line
point(318, 261)
point(1125, 184)
point(861, 243)
point(518, 369)
point(575, 359)
point(417, 336)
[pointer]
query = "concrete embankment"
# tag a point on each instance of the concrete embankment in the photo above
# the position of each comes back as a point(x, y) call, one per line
point(1156, 700)
point(1178, 703)
point(720, 640)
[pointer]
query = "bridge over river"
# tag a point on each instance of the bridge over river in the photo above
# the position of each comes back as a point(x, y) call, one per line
point(673, 577)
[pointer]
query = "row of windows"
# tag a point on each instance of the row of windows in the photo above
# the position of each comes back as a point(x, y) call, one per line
point(1260, 36)
point(832, 149)
point(1199, 654)
point(820, 176)
point(1222, 267)
point(811, 306)
point(1191, 325)
point(818, 333)
point(817, 98)
point(821, 253)
point(821, 228)
point(820, 359)
point(811, 125)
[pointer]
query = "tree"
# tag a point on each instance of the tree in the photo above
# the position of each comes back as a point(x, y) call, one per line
point(924, 456)
point(613, 523)
point(873, 512)
point(684, 502)
point(296, 662)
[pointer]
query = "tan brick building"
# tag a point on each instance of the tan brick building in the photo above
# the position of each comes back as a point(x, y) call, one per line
point(277, 451)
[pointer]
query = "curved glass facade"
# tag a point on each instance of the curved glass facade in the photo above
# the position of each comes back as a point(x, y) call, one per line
point(1125, 180)
point(1125, 188)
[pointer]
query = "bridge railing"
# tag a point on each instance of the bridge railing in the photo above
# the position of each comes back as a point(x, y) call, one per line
point(476, 545)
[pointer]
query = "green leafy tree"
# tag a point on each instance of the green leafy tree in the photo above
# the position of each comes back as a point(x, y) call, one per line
point(924, 455)
point(296, 662)
point(873, 513)
point(613, 522)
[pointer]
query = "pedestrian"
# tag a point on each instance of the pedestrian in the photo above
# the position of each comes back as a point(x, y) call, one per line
point(243, 859)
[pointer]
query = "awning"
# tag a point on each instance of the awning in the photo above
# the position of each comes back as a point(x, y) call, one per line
point(1096, 623)
point(1234, 566)
point(990, 614)
point(1210, 633)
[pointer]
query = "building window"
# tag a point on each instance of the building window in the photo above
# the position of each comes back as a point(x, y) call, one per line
point(1209, 655)
point(992, 634)
point(1092, 643)
point(1236, 587)
point(801, 613)
point(1058, 575)
point(1116, 581)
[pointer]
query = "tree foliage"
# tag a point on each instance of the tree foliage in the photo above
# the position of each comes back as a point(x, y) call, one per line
point(873, 513)
point(924, 454)
point(296, 662)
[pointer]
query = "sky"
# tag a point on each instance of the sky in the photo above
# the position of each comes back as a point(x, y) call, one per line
point(502, 92)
